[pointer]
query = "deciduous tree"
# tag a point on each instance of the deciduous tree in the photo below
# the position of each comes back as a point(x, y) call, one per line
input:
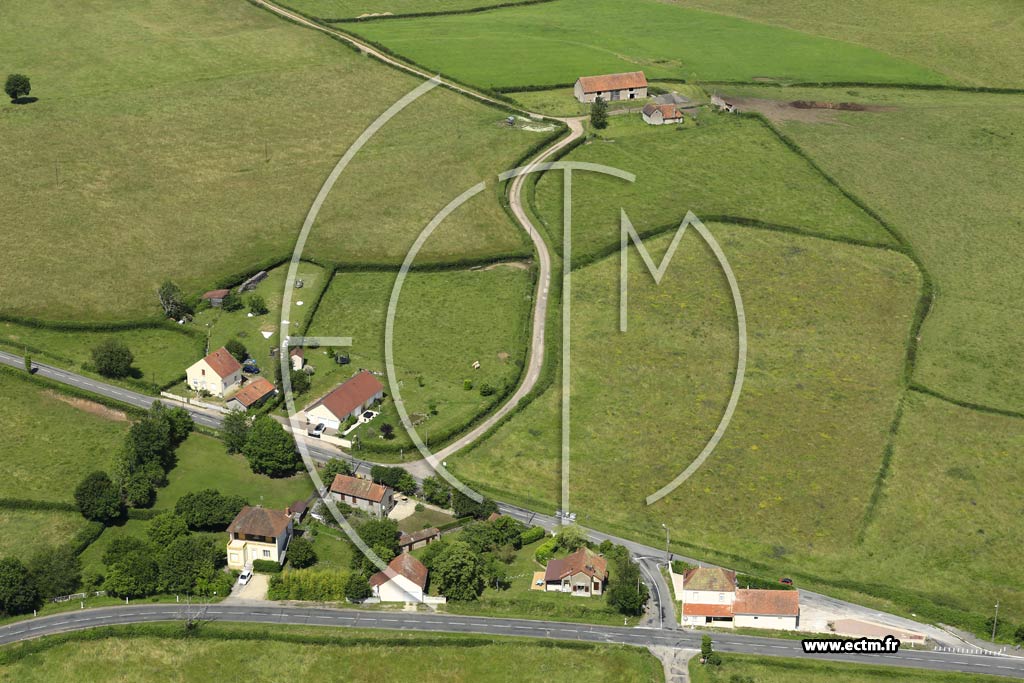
point(234, 431)
point(599, 114)
point(458, 572)
point(98, 498)
point(17, 86)
point(112, 358)
point(301, 553)
point(269, 448)
point(18, 591)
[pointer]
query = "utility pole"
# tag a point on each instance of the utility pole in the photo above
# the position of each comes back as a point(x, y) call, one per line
point(995, 622)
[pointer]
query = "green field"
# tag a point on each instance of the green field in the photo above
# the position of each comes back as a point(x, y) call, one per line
point(790, 482)
point(445, 321)
point(554, 43)
point(727, 166)
point(781, 670)
point(48, 438)
point(976, 43)
point(347, 9)
point(28, 531)
point(235, 652)
point(161, 355)
point(945, 169)
point(153, 113)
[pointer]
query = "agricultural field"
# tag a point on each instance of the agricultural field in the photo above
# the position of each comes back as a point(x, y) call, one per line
point(776, 670)
point(445, 321)
point(790, 483)
point(349, 9)
point(161, 354)
point(725, 167)
point(235, 652)
point(977, 43)
point(152, 113)
point(963, 225)
point(554, 43)
point(50, 437)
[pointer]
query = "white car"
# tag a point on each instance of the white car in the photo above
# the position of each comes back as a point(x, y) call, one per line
point(245, 577)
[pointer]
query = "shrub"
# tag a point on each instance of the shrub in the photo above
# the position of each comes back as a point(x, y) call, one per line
point(532, 535)
point(232, 302)
point(17, 85)
point(546, 550)
point(309, 584)
point(486, 389)
point(301, 553)
point(680, 567)
point(112, 358)
point(467, 384)
point(257, 305)
point(266, 566)
point(357, 588)
point(237, 349)
point(419, 507)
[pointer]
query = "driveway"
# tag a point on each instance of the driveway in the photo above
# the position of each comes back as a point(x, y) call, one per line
point(254, 591)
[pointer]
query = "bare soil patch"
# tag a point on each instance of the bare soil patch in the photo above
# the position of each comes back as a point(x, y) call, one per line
point(90, 407)
point(518, 265)
point(800, 110)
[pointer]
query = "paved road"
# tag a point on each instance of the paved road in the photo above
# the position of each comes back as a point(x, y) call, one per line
point(448, 623)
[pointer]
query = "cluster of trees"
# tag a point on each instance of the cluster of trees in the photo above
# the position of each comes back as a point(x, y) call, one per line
point(170, 560)
point(112, 358)
point(208, 510)
point(49, 572)
point(333, 468)
point(395, 477)
point(626, 592)
point(263, 441)
point(139, 467)
point(437, 492)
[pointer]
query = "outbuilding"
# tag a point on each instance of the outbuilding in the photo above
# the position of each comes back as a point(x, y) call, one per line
point(404, 580)
point(252, 395)
point(216, 296)
point(611, 87)
point(661, 114)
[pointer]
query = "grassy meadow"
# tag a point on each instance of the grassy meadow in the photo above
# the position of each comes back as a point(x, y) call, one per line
point(782, 670)
point(790, 482)
point(152, 114)
point(445, 321)
point(976, 43)
point(49, 437)
point(726, 166)
point(945, 169)
point(161, 354)
point(348, 9)
point(237, 652)
point(29, 531)
point(554, 43)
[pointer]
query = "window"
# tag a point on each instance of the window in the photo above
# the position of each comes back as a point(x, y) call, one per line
point(266, 553)
point(721, 597)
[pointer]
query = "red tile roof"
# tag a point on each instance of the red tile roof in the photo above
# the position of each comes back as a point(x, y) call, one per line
point(222, 362)
point(350, 395)
point(360, 488)
point(709, 579)
point(633, 79)
point(257, 521)
point(693, 609)
point(216, 294)
point(583, 561)
point(297, 351)
point(253, 392)
point(767, 602)
point(668, 111)
point(406, 565)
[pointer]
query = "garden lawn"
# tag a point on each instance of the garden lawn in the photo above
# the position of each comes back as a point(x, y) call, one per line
point(782, 670)
point(224, 325)
point(790, 481)
point(204, 464)
point(28, 531)
point(161, 354)
point(424, 519)
point(519, 601)
point(555, 43)
point(48, 439)
point(445, 321)
point(186, 141)
point(945, 169)
point(727, 166)
point(333, 548)
point(348, 9)
point(979, 43)
point(263, 655)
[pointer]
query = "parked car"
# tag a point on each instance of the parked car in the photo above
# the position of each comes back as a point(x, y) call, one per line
point(245, 577)
point(786, 580)
point(317, 431)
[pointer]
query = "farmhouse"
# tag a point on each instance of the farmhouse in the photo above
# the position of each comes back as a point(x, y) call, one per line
point(660, 114)
point(363, 494)
point(350, 399)
point(611, 87)
point(216, 297)
point(258, 533)
point(418, 539)
point(583, 573)
point(218, 373)
point(404, 580)
point(757, 608)
point(252, 395)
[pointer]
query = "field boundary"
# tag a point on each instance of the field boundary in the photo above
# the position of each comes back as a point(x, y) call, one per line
point(416, 15)
point(967, 405)
point(862, 84)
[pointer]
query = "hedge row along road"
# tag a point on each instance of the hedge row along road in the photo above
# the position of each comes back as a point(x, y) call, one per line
point(649, 557)
point(442, 623)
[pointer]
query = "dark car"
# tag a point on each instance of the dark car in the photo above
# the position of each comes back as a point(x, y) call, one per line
point(787, 581)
